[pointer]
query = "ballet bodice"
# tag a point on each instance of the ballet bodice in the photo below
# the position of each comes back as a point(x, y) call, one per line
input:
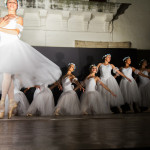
point(105, 71)
point(11, 25)
point(127, 72)
point(67, 84)
point(90, 85)
point(144, 80)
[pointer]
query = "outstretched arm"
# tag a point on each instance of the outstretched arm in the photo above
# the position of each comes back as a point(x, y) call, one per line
point(75, 80)
point(25, 91)
point(119, 72)
point(99, 65)
point(139, 73)
point(105, 87)
point(57, 83)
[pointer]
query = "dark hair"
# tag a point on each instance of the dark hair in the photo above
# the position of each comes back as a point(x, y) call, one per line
point(141, 62)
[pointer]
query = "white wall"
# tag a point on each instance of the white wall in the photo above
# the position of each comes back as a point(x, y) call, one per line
point(61, 29)
point(134, 25)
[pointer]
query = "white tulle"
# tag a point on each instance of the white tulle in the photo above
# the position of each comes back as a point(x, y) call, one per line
point(91, 100)
point(144, 87)
point(110, 81)
point(20, 98)
point(18, 57)
point(129, 90)
point(68, 102)
point(43, 102)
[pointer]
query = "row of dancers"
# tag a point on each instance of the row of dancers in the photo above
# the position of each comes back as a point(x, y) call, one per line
point(99, 94)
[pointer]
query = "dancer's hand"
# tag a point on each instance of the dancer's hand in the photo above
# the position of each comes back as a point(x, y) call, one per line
point(113, 94)
point(37, 86)
point(60, 87)
point(129, 80)
point(4, 22)
point(81, 88)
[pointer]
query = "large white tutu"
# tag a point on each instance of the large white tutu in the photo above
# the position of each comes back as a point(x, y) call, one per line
point(130, 91)
point(110, 81)
point(18, 57)
point(69, 103)
point(93, 103)
point(43, 102)
point(144, 88)
point(113, 86)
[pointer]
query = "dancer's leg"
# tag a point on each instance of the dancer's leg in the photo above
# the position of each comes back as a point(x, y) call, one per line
point(5, 87)
point(11, 90)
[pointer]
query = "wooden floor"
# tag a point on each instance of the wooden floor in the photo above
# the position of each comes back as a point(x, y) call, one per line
point(128, 131)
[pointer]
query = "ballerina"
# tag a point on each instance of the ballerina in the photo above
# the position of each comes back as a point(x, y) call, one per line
point(110, 81)
point(68, 102)
point(17, 57)
point(144, 85)
point(91, 100)
point(130, 90)
point(43, 102)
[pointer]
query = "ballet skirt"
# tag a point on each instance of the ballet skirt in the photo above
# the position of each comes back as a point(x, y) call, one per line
point(144, 87)
point(20, 98)
point(130, 90)
point(92, 101)
point(107, 78)
point(68, 102)
point(19, 58)
point(43, 102)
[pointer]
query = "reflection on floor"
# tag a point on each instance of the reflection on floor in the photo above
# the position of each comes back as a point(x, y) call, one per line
point(114, 131)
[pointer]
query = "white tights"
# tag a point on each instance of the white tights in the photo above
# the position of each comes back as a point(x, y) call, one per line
point(7, 87)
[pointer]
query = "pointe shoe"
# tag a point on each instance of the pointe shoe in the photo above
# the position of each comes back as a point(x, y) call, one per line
point(120, 110)
point(85, 113)
point(130, 111)
point(29, 115)
point(57, 114)
point(12, 106)
point(2, 109)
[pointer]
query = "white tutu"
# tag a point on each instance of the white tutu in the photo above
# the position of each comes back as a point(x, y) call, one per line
point(17, 57)
point(20, 98)
point(69, 103)
point(43, 102)
point(93, 103)
point(22, 102)
point(111, 83)
point(144, 88)
point(130, 90)
point(113, 86)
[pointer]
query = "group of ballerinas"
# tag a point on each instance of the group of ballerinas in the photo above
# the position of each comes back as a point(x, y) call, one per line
point(23, 66)
point(99, 93)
